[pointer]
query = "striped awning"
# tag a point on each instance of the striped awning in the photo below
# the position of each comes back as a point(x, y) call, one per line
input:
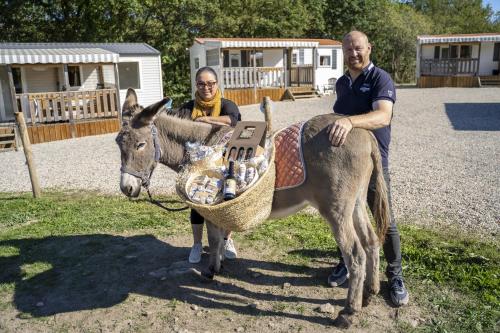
point(258, 43)
point(56, 56)
point(267, 44)
point(443, 39)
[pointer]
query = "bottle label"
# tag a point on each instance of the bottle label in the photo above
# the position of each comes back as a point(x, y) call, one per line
point(230, 188)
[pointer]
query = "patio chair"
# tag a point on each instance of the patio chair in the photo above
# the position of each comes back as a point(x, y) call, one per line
point(330, 87)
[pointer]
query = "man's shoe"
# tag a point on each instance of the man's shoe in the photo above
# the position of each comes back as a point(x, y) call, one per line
point(195, 254)
point(399, 294)
point(229, 249)
point(338, 276)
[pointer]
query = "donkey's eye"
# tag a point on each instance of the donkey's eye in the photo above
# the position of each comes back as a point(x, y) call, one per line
point(141, 145)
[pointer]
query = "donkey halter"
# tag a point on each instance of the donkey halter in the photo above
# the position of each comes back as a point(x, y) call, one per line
point(145, 176)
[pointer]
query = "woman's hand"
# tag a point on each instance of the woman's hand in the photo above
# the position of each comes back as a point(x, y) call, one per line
point(221, 121)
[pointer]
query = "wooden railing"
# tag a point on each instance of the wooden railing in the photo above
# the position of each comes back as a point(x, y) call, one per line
point(301, 75)
point(69, 106)
point(249, 77)
point(449, 67)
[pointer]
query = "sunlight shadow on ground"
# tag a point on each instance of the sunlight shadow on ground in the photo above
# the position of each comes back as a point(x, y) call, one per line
point(474, 116)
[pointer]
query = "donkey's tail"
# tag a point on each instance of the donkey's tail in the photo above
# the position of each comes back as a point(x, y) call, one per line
point(380, 207)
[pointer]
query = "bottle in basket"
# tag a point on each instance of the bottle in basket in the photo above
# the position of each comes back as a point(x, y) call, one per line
point(230, 183)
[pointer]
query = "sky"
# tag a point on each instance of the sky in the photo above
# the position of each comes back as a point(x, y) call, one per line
point(494, 3)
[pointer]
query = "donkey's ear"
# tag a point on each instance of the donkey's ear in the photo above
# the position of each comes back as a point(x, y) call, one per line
point(130, 99)
point(148, 115)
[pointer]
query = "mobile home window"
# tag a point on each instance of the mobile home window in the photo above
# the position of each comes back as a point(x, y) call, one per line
point(212, 57)
point(196, 63)
point(325, 61)
point(453, 51)
point(445, 53)
point(16, 76)
point(234, 59)
point(436, 52)
point(74, 76)
point(294, 58)
point(259, 58)
point(496, 52)
point(466, 51)
point(301, 57)
point(129, 75)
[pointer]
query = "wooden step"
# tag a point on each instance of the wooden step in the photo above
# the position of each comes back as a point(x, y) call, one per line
point(7, 139)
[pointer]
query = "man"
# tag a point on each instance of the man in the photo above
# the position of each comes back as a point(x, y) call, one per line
point(366, 94)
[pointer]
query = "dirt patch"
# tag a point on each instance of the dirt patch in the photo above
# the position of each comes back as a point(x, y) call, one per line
point(107, 283)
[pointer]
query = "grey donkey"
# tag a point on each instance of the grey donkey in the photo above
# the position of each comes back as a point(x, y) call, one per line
point(336, 184)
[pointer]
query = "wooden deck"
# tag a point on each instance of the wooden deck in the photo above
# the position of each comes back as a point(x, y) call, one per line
point(251, 96)
point(448, 81)
point(54, 132)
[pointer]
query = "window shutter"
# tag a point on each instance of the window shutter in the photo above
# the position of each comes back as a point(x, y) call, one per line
point(226, 58)
point(496, 52)
point(244, 58)
point(334, 59)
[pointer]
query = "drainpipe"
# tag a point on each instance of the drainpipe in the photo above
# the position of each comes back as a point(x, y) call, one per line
point(117, 87)
point(255, 76)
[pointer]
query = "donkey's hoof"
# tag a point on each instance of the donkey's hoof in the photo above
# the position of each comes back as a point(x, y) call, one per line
point(208, 276)
point(342, 321)
point(367, 300)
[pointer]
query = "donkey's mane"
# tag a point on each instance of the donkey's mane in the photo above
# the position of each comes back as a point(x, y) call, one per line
point(182, 129)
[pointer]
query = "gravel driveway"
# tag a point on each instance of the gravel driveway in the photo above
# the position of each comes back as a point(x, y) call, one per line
point(445, 157)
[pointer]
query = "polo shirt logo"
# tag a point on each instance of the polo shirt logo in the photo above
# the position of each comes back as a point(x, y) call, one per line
point(364, 88)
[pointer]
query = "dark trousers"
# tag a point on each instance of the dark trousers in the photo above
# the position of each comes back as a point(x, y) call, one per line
point(196, 218)
point(392, 244)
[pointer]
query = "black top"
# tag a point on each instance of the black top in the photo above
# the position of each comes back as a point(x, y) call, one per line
point(357, 97)
point(228, 108)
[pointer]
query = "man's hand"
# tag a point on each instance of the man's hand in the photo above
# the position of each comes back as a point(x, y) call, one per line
point(337, 132)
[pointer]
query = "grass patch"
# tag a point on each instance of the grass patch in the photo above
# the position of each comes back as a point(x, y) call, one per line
point(452, 276)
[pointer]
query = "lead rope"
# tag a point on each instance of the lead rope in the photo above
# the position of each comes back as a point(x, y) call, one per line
point(146, 183)
point(156, 143)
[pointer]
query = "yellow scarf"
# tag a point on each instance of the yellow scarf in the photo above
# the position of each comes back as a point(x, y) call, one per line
point(200, 106)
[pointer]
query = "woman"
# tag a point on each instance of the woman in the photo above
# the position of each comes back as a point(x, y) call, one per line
point(209, 107)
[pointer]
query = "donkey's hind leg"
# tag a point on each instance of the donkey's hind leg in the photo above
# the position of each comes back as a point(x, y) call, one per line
point(216, 244)
point(341, 223)
point(369, 240)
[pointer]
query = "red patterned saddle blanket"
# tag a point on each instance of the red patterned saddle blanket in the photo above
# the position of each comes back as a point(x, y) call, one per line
point(289, 161)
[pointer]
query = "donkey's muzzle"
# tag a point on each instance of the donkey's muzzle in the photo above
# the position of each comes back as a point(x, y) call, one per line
point(130, 185)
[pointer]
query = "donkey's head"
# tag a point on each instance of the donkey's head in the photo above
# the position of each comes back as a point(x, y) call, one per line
point(138, 143)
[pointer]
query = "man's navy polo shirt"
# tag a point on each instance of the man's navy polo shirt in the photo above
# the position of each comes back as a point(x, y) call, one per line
point(357, 97)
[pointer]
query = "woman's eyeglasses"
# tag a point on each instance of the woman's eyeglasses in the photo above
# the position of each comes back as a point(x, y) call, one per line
point(208, 84)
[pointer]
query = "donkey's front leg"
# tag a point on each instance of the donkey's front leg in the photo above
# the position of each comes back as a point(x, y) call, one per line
point(216, 244)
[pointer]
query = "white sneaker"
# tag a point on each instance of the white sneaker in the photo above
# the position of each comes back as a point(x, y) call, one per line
point(195, 254)
point(229, 249)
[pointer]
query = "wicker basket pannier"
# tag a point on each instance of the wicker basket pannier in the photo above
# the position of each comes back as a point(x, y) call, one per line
point(247, 210)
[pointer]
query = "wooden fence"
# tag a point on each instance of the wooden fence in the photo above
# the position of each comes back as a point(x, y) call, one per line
point(449, 67)
point(249, 77)
point(301, 75)
point(69, 106)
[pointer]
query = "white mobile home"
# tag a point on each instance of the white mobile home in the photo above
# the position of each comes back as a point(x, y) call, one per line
point(72, 83)
point(249, 68)
point(458, 60)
